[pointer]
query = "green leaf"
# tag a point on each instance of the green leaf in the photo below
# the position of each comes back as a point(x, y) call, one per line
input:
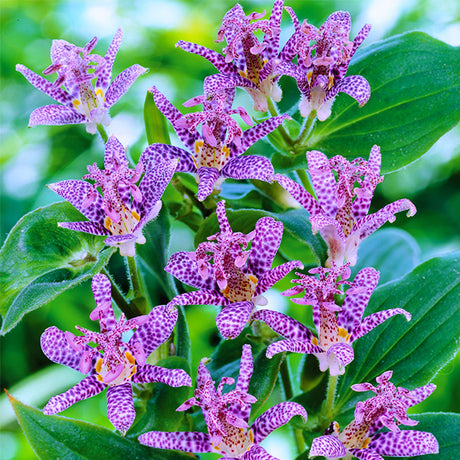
point(415, 99)
point(156, 126)
point(392, 251)
point(160, 401)
point(53, 436)
point(417, 350)
point(298, 242)
point(39, 260)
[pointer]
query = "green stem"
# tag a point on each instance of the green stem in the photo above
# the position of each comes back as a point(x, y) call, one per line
point(103, 133)
point(138, 294)
point(274, 113)
point(307, 129)
point(330, 396)
point(303, 176)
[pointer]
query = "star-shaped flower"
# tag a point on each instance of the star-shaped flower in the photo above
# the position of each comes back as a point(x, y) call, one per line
point(81, 101)
point(323, 57)
point(246, 62)
point(123, 209)
point(112, 363)
point(226, 416)
point(386, 409)
point(337, 327)
point(340, 213)
point(237, 277)
point(217, 151)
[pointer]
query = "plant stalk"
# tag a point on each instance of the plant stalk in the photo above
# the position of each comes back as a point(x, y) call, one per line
point(307, 129)
point(103, 133)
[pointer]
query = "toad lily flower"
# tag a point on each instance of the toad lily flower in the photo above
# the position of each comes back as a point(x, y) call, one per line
point(386, 409)
point(338, 327)
point(226, 416)
point(323, 57)
point(237, 278)
point(123, 209)
point(216, 153)
point(112, 363)
point(75, 68)
point(253, 61)
point(340, 214)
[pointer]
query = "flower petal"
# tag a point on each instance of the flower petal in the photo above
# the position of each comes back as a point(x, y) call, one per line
point(249, 167)
point(275, 417)
point(405, 443)
point(172, 377)
point(294, 346)
point(156, 154)
point(101, 288)
point(256, 453)
point(366, 454)
point(86, 227)
point(120, 406)
point(105, 74)
point(178, 440)
point(55, 115)
point(201, 297)
point(355, 86)
point(419, 394)
point(122, 83)
point(232, 319)
point(327, 446)
point(207, 177)
point(88, 387)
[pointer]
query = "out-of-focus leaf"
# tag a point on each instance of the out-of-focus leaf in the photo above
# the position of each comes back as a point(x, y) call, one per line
point(39, 260)
point(415, 351)
point(156, 125)
point(161, 401)
point(52, 436)
point(392, 251)
point(415, 99)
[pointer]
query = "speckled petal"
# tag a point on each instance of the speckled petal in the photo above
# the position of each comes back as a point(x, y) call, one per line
point(419, 394)
point(246, 369)
point(88, 387)
point(299, 193)
point(172, 377)
point(249, 167)
point(252, 135)
point(76, 192)
point(122, 83)
point(294, 346)
point(56, 348)
point(327, 446)
point(268, 279)
point(120, 407)
point(208, 177)
point(372, 321)
point(275, 417)
point(365, 454)
point(284, 325)
point(56, 115)
point(357, 298)
point(155, 331)
point(86, 227)
point(105, 74)
point(178, 440)
point(405, 443)
point(233, 318)
point(156, 154)
point(101, 288)
point(344, 355)
point(201, 297)
point(256, 453)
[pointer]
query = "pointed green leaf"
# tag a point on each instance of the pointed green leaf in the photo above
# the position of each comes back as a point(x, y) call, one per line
point(415, 99)
point(156, 126)
point(415, 351)
point(52, 436)
point(39, 260)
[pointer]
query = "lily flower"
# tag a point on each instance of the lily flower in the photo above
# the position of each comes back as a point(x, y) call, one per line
point(245, 61)
point(337, 327)
point(227, 416)
point(237, 277)
point(216, 152)
point(112, 363)
point(362, 438)
point(340, 213)
point(123, 209)
point(323, 57)
point(81, 101)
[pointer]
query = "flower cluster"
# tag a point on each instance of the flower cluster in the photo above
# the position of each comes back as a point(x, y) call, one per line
point(230, 269)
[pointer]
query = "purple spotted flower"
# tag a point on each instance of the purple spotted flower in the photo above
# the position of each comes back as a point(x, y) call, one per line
point(362, 438)
point(81, 101)
point(337, 327)
point(246, 62)
point(216, 152)
point(112, 363)
point(226, 416)
point(323, 56)
point(237, 276)
point(340, 213)
point(123, 209)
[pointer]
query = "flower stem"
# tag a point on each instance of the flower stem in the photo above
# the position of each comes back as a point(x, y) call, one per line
point(307, 129)
point(138, 294)
point(103, 133)
point(330, 397)
point(274, 112)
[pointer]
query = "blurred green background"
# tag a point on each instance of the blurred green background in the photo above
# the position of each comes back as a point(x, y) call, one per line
point(31, 158)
